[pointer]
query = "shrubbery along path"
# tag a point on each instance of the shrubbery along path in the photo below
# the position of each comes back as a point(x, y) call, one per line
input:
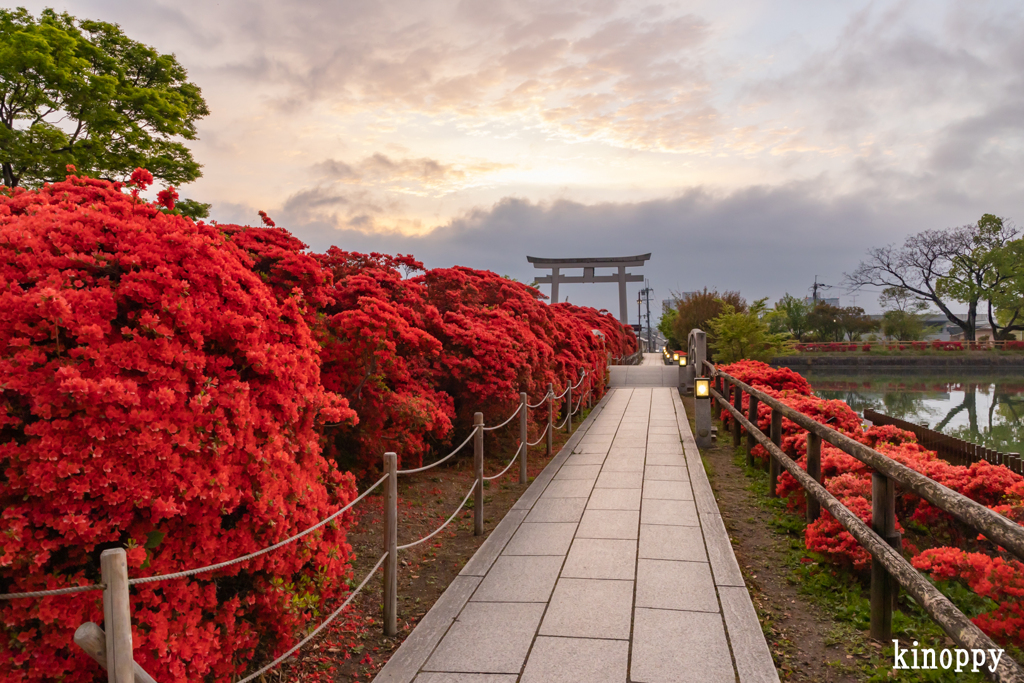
point(196, 392)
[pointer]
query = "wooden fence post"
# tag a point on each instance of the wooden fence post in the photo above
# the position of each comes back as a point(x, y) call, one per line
point(814, 470)
point(551, 418)
point(117, 616)
point(91, 638)
point(523, 415)
point(737, 403)
point(752, 417)
point(478, 469)
point(773, 464)
point(883, 586)
point(391, 546)
point(568, 409)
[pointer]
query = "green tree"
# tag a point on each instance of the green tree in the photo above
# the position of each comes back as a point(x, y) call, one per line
point(790, 315)
point(81, 92)
point(976, 275)
point(903, 319)
point(1006, 293)
point(695, 309)
point(666, 327)
point(744, 334)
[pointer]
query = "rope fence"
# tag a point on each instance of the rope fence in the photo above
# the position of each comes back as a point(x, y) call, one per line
point(518, 451)
point(322, 626)
point(117, 656)
point(245, 558)
point(450, 455)
point(438, 530)
point(510, 417)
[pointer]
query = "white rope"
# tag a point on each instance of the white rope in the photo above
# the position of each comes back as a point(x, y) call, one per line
point(435, 464)
point(447, 522)
point(543, 434)
point(55, 591)
point(576, 386)
point(579, 405)
point(518, 451)
point(541, 402)
point(491, 429)
point(563, 392)
point(319, 628)
point(563, 422)
point(221, 565)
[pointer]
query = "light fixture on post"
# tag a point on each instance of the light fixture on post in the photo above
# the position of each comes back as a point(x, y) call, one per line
point(702, 410)
point(682, 360)
point(675, 355)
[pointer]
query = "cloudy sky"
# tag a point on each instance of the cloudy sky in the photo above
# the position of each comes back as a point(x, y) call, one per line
point(749, 145)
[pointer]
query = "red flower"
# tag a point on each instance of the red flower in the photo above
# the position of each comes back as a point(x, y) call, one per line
point(141, 178)
point(166, 198)
point(266, 219)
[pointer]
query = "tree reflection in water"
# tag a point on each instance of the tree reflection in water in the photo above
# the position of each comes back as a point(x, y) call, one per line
point(981, 409)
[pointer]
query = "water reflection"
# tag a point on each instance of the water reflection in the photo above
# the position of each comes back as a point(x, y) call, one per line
point(983, 410)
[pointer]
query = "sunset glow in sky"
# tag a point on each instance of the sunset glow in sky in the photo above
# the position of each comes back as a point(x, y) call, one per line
point(751, 146)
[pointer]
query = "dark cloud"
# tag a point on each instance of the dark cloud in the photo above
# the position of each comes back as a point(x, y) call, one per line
point(761, 241)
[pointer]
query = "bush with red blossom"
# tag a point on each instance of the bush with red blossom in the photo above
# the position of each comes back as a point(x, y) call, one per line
point(157, 394)
point(849, 481)
point(170, 387)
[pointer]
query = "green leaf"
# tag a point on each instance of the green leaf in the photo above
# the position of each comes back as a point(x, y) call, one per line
point(154, 538)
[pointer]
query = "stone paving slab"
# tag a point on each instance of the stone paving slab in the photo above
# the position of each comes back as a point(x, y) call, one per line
point(590, 608)
point(542, 538)
point(576, 660)
point(488, 637)
point(557, 510)
point(613, 566)
point(615, 524)
point(673, 645)
point(465, 678)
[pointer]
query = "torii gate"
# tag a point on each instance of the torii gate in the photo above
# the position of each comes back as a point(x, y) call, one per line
point(588, 265)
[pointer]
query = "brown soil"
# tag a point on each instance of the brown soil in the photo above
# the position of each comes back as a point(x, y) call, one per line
point(806, 644)
point(357, 649)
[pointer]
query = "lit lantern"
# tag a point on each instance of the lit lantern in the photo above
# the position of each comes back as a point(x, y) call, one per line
point(675, 356)
point(682, 361)
point(702, 387)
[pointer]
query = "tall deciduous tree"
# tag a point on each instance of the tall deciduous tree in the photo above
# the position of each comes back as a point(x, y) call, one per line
point(695, 309)
point(941, 266)
point(81, 92)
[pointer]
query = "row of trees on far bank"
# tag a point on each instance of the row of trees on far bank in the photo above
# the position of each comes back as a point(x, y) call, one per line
point(732, 323)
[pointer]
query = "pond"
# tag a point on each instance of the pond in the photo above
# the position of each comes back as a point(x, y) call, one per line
point(981, 408)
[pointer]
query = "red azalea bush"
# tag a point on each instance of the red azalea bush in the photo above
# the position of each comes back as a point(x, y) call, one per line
point(169, 387)
point(849, 480)
point(379, 352)
point(156, 395)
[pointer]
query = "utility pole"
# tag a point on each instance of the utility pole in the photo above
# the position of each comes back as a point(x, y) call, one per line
point(639, 319)
point(648, 293)
point(814, 290)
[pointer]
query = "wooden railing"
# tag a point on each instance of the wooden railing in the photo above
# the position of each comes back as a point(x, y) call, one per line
point(949, 448)
point(889, 569)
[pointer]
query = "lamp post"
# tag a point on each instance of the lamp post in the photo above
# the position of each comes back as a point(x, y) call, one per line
point(702, 411)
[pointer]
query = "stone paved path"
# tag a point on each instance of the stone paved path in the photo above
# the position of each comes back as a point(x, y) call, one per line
point(614, 566)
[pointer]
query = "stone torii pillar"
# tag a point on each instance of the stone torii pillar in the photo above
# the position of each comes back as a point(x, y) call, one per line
point(555, 265)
